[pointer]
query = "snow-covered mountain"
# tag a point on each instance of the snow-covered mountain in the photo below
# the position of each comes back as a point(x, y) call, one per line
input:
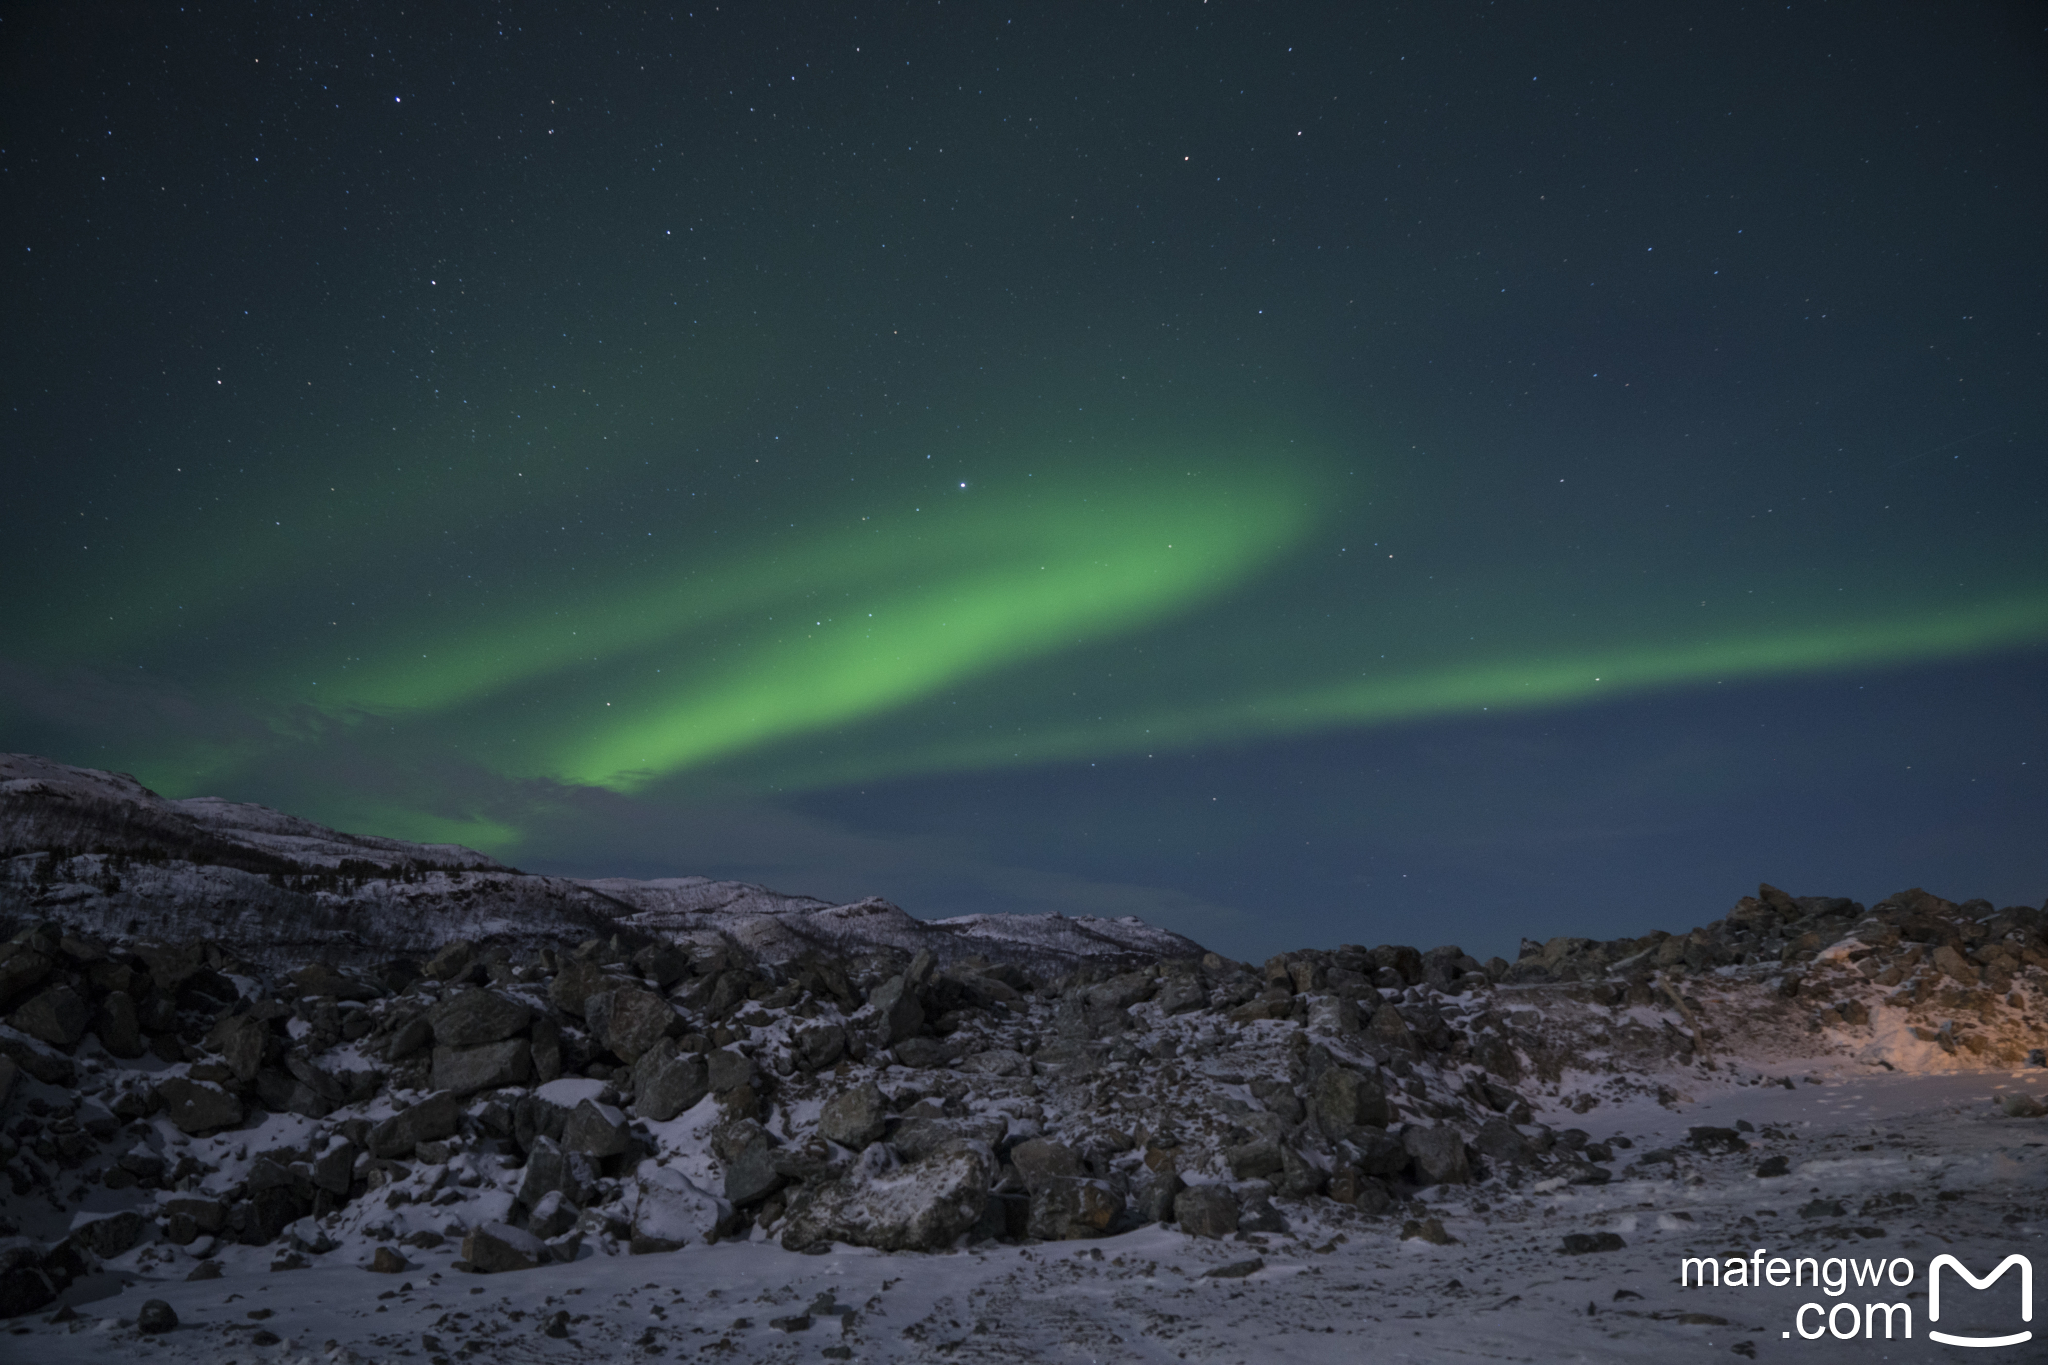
point(101, 853)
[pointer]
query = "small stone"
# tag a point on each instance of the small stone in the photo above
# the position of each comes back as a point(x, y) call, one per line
point(1427, 1230)
point(2018, 1106)
point(205, 1270)
point(1773, 1166)
point(155, 1316)
point(1581, 1243)
point(1236, 1270)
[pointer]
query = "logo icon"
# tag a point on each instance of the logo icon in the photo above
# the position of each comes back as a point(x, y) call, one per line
point(2026, 1298)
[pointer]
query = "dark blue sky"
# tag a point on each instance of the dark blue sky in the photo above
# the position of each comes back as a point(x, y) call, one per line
point(1428, 473)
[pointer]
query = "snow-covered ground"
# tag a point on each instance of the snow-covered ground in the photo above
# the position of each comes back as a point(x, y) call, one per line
point(1880, 1167)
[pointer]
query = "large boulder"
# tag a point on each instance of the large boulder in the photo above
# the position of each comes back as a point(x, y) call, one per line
point(435, 1117)
point(1343, 1100)
point(854, 1118)
point(466, 1070)
point(897, 1013)
point(116, 1023)
point(749, 1156)
point(576, 983)
point(58, 1016)
point(596, 1130)
point(670, 1211)
point(492, 1248)
point(550, 1170)
point(1206, 1211)
point(1041, 1161)
point(1439, 1155)
point(666, 1083)
point(196, 1106)
point(921, 1206)
point(639, 1019)
point(20, 968)
point(242, 1042)
point(472, 1018)
point(1066, 1208)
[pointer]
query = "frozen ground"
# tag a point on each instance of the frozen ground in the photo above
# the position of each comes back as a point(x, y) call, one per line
point(1880, 1167)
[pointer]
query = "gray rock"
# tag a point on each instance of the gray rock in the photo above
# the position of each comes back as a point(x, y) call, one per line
point(491, 1066)
point(1257, 1214)
point(552, 1171)
point(155, 1316)
point(820, 1045)
point(112, 1235)
point(921, 1054)
point(1342, 1101)
point(196, 1107)
point(728, 1070)
point(1581, 1243)
point(663, 963)
point(388, 1261)
point(576, 983)
point(639, 1019)
point(1181, 992)
point(437, 1116)
point(1206, 1211)
point(57, 1016)
point(666, 1083)
point(1255, 1160)
point(1332, 1014)
point(119, 1029)
point(242, 1042)
point(473, 1017)
point(456, 962)
point(596, 1130)
point(997, 1061)
point(20, 968)
point(334, 1169)
point(1154, 1202)
point(547, 1050)
point(1439, 1155)
point(854, 1118)
point(2021, 1106)
point(898, 1015)
point(493, 1248)
point(408, 1038)
point(554, 1215)
point(921, 1206)
point(920, 1137)
point(750, 1172)
point(1040, 1161)
point(1499, 1140)
point(1298, 1179)
point(671, 1212)
point(314, 1077)
point(1390, 1029)
point(1066, 1208)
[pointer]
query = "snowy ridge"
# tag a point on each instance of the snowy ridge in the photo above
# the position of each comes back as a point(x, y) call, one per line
point(101, 853)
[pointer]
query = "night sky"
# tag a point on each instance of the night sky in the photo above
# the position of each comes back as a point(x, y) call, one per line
point(1301, 474)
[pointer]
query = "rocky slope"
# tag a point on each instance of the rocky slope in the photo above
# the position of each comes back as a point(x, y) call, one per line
point(719, 1065)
